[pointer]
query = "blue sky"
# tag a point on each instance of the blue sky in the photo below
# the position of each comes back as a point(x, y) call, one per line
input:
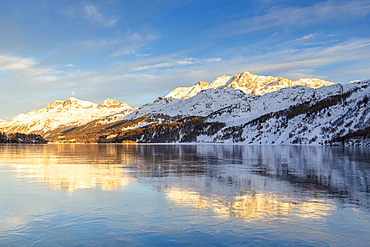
point(137, 50)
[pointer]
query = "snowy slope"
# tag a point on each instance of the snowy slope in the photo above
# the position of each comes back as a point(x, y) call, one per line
point(230, 105)
point(298, 115)
point(294, 115)
point(329, 115)
point(248, 83)
point(72, 112)
point(202, 104)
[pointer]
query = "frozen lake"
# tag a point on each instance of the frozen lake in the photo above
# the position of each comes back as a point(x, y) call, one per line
point(184, 195)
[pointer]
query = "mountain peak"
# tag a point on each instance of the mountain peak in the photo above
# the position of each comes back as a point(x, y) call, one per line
point(73, 102)
point(63, 114)
point(54, 104)
point(247, 82)
point(112, 103)
point(203, 83)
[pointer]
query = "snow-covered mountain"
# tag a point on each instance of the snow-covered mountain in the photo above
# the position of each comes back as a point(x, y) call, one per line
point(63, 115)
point(296, 115)
point(248, 83)
point(278, 111)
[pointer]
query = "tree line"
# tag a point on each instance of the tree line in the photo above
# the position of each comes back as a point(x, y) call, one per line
point(21, 138)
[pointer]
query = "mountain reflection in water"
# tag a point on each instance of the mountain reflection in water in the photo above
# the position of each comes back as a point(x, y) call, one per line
point(249, 182)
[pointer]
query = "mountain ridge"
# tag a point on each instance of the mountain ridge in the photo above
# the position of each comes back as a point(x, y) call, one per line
point(279, 111)
point(69, 113)
point(248, 83)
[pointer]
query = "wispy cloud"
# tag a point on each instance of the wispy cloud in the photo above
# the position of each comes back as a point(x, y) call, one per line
point(93, 14)
point(15, 63)
point(150, 76)
point(175, 63)
point(307, 37)
point(24, 66)
point(289, 63)
point(292, 62)
point(23, 82)
point(133, 42)
point(312, 39)
point(286, 16)
point(97, 43)
point(130, 43)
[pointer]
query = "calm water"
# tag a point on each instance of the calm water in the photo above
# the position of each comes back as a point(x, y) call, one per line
point(184, 195)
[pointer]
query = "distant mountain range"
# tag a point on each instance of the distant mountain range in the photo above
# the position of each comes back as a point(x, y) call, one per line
point(244, 108)
point(248, 83)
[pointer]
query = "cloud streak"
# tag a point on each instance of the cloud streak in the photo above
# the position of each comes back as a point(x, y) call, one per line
point(283, 16)
point(93, 14)
point(133, 42)
point(176, 63)
point(27, 67)
point(292, 61)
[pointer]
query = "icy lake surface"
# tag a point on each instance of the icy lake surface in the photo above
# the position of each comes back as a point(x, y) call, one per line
point(184, 195)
